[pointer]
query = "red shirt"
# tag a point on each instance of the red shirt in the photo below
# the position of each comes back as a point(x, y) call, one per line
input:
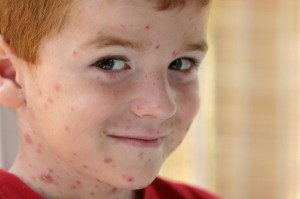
point(11, 187)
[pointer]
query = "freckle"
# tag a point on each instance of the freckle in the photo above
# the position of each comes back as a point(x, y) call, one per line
point(92, 194)
point(28, 138)
point(157, 47)
point(85, 166)
point(33, 178)
point(96, 186)
point(50, 170)
point(47, 178)
point(190, 18)
point(72, 109)
point(29, 165)
point(149, 160)
point(108, 160)
point(57, 87)
point(75, 154)
point(147, 27)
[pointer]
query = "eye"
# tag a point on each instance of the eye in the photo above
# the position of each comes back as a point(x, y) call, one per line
point(111, 63)
point(183, 64)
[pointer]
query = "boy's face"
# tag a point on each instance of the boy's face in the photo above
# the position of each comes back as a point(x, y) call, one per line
point(117, 119)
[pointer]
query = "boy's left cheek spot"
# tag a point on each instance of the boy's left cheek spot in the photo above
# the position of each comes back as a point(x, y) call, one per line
point(47, 178)
point(28, 138)
point(147, 27)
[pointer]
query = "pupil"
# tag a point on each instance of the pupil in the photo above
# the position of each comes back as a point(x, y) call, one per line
point(177, 64)
point(108, 64)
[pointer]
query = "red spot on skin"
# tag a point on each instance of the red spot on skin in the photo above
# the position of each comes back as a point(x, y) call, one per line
point(75, 154)
point(47, 178)
point(67, 129)
point(92, 194)
point(128, 178)
point(85, 166)
point(174, 53)
point(72, 109)
point(78, 182)
point(147, 27)
point(38, 150)
point(190, 18)
point(57, 87)
point(114, 191)
point(128, 121)
point(157, 47)
point(108, 160)
point(50, 100)
point(29, 165)
point(40, 92)
point(75, 53)
point(98, 180)
point(141, 155)
point(28, 138)
point(73, 187)
point(50, 170)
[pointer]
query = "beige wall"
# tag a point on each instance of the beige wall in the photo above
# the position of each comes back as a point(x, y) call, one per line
point(256, 53)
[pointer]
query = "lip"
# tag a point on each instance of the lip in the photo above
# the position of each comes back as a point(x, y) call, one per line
point(137, 141)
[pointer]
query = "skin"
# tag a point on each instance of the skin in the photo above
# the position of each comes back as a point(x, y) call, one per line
point(70, 112)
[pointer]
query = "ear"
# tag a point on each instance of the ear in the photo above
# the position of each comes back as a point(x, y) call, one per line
point(11, 95)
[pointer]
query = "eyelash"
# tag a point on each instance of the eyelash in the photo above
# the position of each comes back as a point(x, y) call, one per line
point(194, 63)
point(108, 58)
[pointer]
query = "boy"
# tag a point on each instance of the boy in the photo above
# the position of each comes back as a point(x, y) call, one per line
point(104, 91)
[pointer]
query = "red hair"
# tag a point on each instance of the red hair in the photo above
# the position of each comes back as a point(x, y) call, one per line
point(24, 23)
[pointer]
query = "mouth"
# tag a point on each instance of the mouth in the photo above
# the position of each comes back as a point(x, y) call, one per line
point(137, 141)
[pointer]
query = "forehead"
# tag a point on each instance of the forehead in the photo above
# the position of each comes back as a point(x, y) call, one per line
point(132, 20)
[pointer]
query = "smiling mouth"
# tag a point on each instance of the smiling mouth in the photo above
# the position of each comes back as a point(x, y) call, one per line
point(136, 141)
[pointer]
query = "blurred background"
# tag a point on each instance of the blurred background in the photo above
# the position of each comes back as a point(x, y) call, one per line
point(245, 142)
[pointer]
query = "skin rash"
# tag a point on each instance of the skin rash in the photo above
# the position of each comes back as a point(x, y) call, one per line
point(94, 132)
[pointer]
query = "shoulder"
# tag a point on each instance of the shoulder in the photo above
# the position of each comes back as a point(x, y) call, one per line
point(164, 189)
point(12, 187)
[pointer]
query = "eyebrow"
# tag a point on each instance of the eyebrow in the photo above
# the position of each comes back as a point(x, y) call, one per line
point(106, 41)
point(201, 46)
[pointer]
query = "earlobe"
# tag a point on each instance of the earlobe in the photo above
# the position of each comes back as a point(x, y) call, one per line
point(11, 95)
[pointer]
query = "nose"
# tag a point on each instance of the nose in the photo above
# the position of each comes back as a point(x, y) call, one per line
point(154, 99)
